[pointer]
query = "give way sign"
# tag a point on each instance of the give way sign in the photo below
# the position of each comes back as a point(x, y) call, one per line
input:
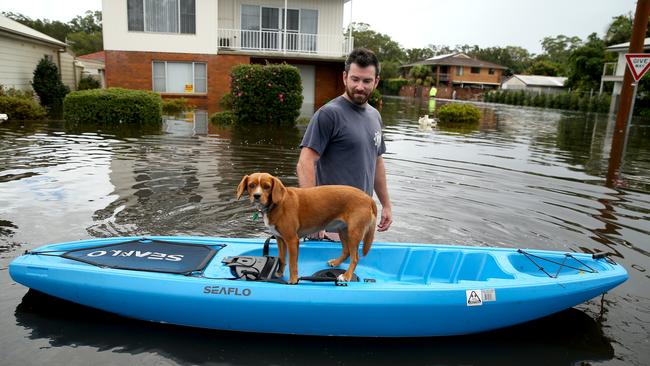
point(638, 63)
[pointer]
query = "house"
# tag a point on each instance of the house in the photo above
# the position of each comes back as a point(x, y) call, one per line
point(21, 48)
point(187, 48)
point(614, 71)
point(535, 83)
point(457, 72)
point(94, 66)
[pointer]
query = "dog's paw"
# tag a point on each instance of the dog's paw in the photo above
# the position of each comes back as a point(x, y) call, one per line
point(293, 280)
point(333, 263)
point(279, 274)
point(342, 278)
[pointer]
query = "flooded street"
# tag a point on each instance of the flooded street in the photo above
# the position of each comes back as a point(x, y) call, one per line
point(522, 178)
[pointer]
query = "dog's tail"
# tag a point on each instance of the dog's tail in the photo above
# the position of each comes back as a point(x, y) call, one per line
point(369, 236)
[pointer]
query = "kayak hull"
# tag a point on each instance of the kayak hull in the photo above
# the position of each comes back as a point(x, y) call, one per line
point(406, 290)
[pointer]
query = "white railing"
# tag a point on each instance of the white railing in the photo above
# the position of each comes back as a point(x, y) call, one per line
point(281, 42)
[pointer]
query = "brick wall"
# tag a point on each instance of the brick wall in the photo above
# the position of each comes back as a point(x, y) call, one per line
point(133, 70)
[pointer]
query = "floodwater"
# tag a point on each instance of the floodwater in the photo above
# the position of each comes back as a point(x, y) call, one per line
point(523, 177)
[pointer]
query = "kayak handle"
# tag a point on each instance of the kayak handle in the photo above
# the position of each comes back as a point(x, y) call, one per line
point(322, 279)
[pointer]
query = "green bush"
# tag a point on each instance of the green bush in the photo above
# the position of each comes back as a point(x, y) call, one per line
point(113, 106)
point(392, 86)
point(375, 99)
point(175, 106)
point(18, 108)
point(226, 102)
point(13, 92)
point(225, 118)
point(48, 86)
point(459, 113)
point(266, 93)
point(88, 82)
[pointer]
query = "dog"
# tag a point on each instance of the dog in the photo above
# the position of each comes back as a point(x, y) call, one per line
point(292, 213)
point(426, 123)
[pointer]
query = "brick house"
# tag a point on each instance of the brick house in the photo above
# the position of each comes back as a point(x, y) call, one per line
point(467, 76)
point(187, 48)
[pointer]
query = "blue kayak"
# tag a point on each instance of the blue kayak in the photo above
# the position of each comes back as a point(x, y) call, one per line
point(402, 290)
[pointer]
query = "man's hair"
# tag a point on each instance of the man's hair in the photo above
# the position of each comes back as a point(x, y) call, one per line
point(364, 58)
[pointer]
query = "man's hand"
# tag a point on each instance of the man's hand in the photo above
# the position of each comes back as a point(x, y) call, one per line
point(386, 219)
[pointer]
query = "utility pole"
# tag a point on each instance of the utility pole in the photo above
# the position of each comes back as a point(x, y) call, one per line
point(627, 93)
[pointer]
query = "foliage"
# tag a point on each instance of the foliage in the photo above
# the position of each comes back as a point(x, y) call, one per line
point(389, 69)
point(375, 99)
point(83, 33)
point(459, 113)
point(226, 102)
point(418, 54)
point(419, 72)
point(88, 82)
point(392, 86)
point(583, 101)
point(48, 85)
point(113, 106)
point(543, 67)
point(266, 93)
point(225, 118)
point(175, 106)
point(585, 64)
point(381, 44)
point(13, 92)
point(20, 108)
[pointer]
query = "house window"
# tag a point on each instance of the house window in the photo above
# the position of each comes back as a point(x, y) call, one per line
point(491, 71)
point(263, 27)
point(475, 70)
point(459, 71)
point(180, 77)
point(162, 16)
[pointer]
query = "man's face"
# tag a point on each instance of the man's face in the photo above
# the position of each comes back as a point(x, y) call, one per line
point(359, 83)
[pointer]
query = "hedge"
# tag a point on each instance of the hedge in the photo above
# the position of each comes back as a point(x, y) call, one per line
point(266, 93)
point(577, 101)
point(458, 113)
point(392, 86)
point(113, 106)
point(18, 108)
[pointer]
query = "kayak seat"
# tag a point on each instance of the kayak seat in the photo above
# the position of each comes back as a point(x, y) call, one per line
point(253, 268)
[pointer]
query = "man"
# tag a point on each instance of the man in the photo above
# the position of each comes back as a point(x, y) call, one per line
point(343, 143)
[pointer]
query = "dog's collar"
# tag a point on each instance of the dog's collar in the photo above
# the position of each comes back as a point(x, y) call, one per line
point(266, 209)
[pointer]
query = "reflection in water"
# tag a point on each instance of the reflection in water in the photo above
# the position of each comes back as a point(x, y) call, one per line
point(566, 338)
point(523, 177)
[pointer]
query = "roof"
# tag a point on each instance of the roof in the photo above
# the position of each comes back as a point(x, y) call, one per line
point(12, 26)
point(624, 47)
point(96, 56)
point(539, 80)
point(457, 59)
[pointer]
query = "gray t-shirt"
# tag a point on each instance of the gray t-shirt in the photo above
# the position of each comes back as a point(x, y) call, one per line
point(348, 139)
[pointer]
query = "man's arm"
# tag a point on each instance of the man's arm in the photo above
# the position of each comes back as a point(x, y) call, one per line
point(306, 168)
point(381, 188)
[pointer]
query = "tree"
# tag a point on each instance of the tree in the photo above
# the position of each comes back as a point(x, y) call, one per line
point(48, 86)
point(620, 30)
point(559, 48)
point(382, 45)
point(585, 64)
point(543, 67)
point(54, 29)
point(516, 59)
point(418, 54)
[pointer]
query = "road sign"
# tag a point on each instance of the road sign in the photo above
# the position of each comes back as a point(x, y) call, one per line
point(638, 63)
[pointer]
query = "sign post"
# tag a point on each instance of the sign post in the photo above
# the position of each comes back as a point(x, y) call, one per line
point(639, 63)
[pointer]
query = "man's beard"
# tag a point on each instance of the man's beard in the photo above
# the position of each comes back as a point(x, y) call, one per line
point(358, 99)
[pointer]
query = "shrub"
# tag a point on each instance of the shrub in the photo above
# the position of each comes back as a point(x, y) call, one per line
point(88, 82)
point(18, 108)
point(225, 118)
point(375, 99)
point(48, 85)
point(175, 106)
point(392, 86)
point(226, 102)
point(13, 92)
point(459, 113)
point(113, 106)
point(267, 94)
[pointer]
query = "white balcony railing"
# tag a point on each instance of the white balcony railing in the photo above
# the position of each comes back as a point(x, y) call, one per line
point(281, 42)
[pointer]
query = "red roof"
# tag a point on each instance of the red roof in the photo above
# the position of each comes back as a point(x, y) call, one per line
point(97, 56)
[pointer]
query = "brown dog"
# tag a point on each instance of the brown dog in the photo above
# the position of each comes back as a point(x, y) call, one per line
point(292, 213)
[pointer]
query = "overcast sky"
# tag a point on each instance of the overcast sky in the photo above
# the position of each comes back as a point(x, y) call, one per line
point(418, 23)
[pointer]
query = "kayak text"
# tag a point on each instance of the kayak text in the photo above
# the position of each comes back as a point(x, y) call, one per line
point(228, 291)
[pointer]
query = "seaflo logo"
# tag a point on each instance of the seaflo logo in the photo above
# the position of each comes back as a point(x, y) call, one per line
point(137, 254)
point(228, 291)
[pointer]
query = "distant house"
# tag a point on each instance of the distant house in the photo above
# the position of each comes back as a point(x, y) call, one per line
point(187, 48)
point(21, 48)
point(94, 66)
point(461, 73)
point(614, 71)
point(535, 83)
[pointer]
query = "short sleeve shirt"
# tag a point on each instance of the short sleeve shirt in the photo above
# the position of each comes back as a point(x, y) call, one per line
point(348, 139)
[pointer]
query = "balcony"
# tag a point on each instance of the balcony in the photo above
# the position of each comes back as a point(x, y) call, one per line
point(280, 42)
point(609, 72)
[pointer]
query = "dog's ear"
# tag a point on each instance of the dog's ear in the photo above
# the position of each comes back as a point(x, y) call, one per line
point(242, 187)
point(278, 191)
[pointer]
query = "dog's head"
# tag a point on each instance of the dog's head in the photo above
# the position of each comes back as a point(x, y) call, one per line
point(263, 189)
